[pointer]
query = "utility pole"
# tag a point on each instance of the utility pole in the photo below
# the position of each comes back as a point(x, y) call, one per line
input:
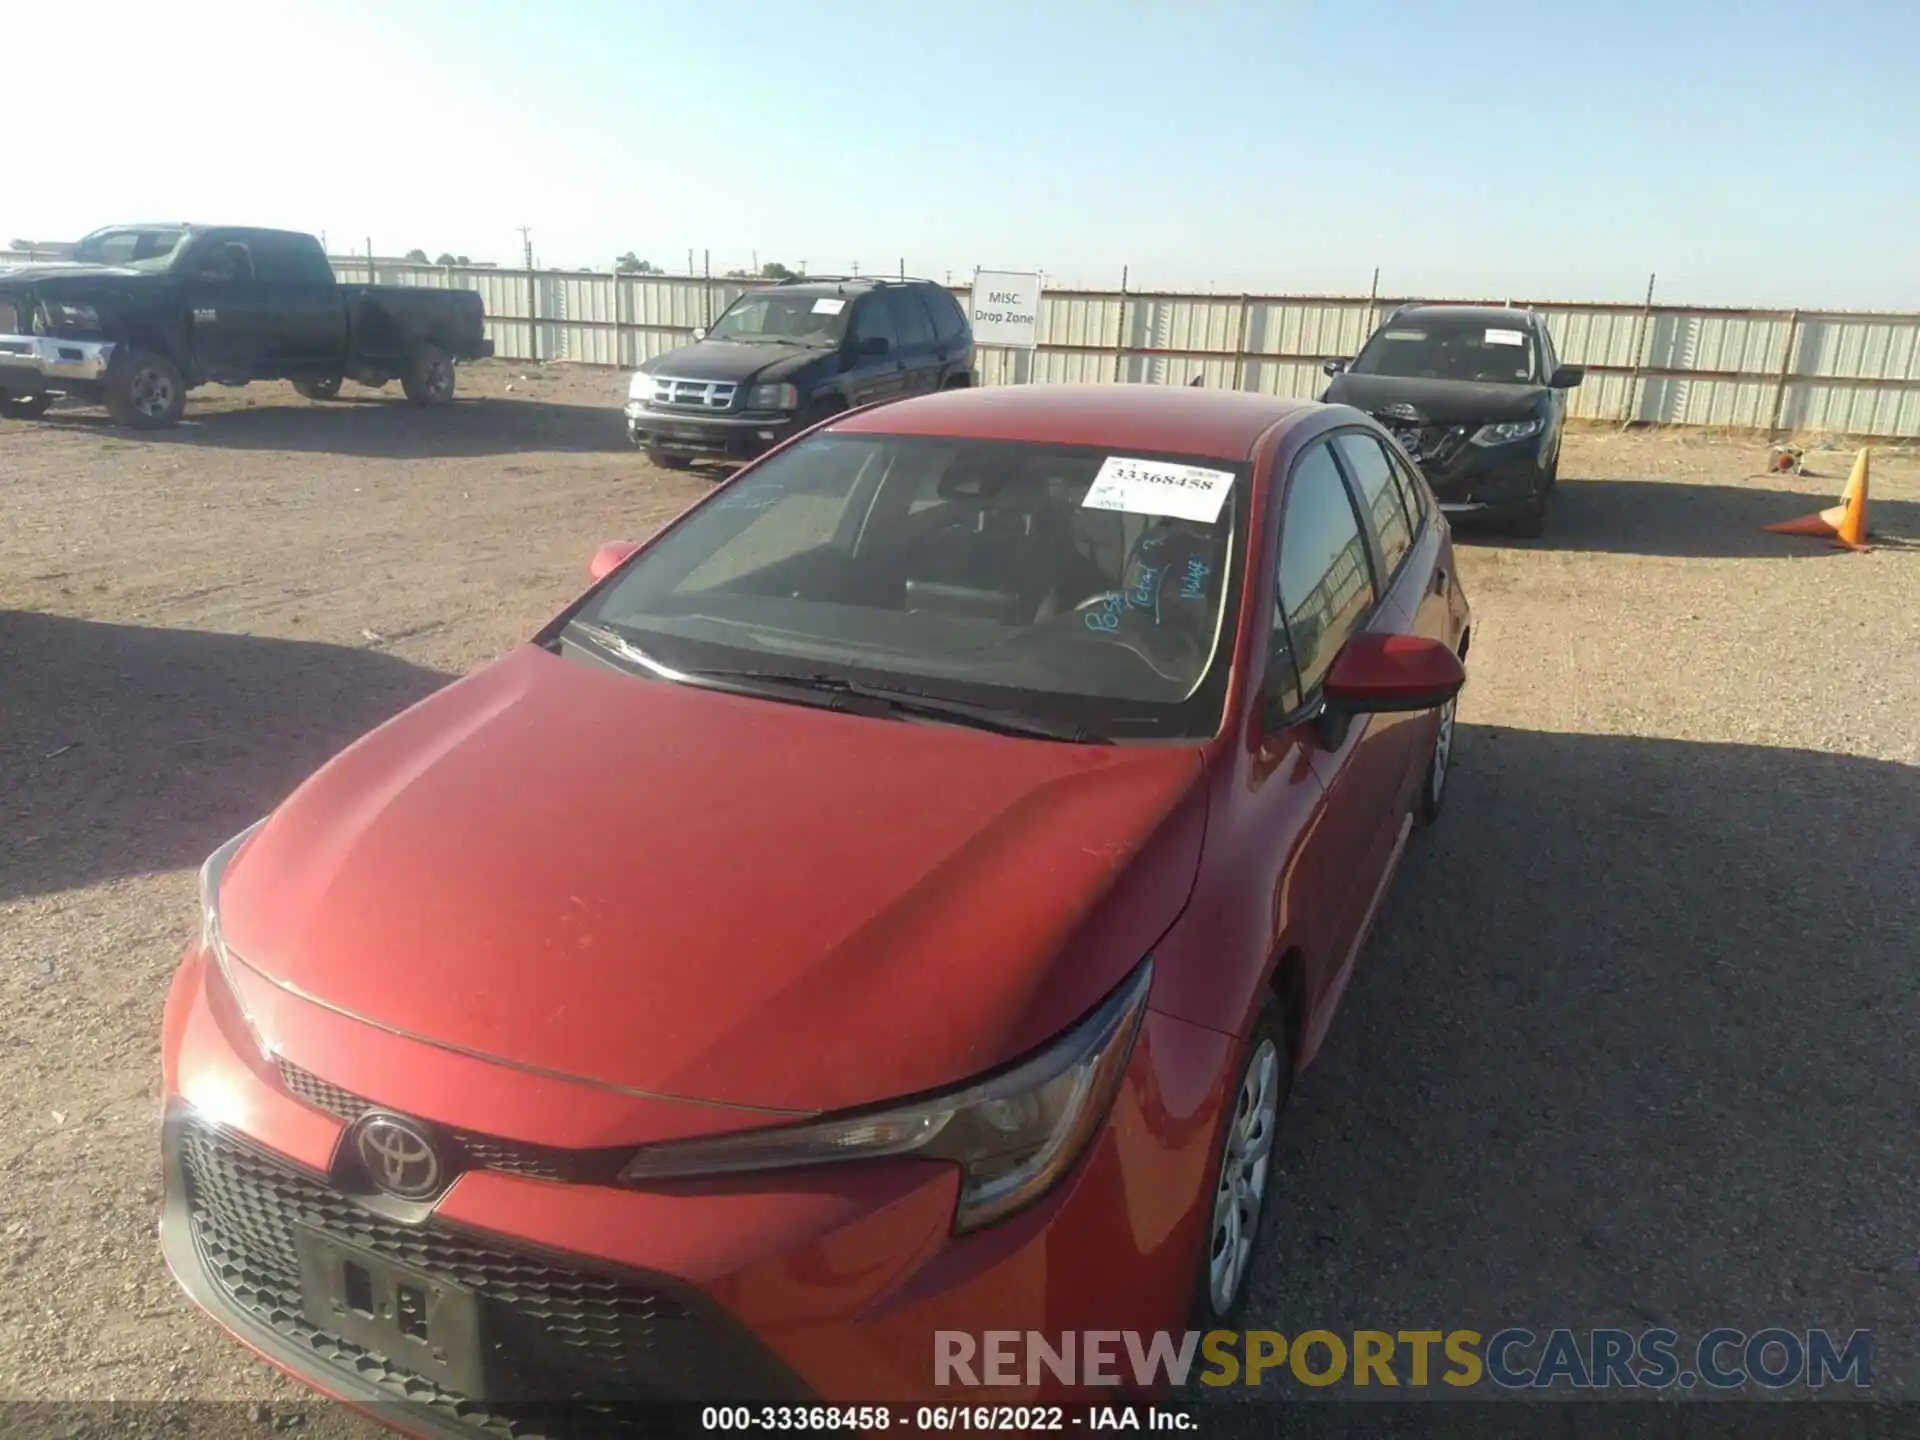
point(533, 296)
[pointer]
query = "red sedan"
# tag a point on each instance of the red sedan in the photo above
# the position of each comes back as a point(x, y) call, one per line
point(894, 899)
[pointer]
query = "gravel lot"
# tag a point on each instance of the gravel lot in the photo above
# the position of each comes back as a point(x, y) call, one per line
point(1632, 1044)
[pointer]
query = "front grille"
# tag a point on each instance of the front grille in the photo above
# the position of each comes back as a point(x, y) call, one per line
point(473, 1151)
point(693, 394)
point(1438, 444)
point(558, 1337)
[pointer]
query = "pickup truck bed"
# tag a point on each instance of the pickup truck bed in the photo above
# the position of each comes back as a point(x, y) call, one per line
point(144, 314)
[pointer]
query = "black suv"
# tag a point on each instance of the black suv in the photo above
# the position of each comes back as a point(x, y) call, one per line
point(781, 358)
point(1476, 396)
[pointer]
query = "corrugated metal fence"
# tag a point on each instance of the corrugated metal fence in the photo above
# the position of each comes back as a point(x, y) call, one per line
point(1856, 373)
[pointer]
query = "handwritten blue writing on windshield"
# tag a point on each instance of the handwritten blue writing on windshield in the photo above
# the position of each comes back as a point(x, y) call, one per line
point(1105, 619)
point(1194, 585)
point(1146, 590)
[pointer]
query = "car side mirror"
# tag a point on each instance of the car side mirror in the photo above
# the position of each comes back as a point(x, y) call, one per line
point(610, 557)
point(1334, 367)
point(699, 333)
point(874, 345)
point(1568, 377)
point(1376, 674)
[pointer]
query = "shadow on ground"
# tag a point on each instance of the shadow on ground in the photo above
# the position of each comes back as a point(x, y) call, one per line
point(1669, 517)
point(1632, 1045)
point(127, 750)
point(382, 426)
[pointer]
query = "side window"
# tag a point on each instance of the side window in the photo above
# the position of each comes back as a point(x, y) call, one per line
point(1324, 584)
point(949, 321)
point(290, 260)
point(1549, 357)
point(1413, 491)
point(870, 320)
point(1373, 474)
point(226, 261)
point(910, 321)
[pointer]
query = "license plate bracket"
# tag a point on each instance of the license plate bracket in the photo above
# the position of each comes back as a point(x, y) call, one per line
point(417, 1320)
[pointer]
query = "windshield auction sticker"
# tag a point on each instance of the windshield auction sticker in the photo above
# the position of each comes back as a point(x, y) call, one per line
point(1155, 487)
point(1505, 337)
point(827, 305)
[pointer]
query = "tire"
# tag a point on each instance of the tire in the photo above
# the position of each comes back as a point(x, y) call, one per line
point(324, 388)
point(1433, 784)
point(668, 461)
point(24, 407)
point(429, 377)
point(146, 391)
point(1232, 1236)
point(957, 382)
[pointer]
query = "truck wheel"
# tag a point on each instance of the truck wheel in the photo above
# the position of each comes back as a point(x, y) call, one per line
point(146, 391)
point(324, 388)
point(667, 460)
point(429, 379)
point(24, 407)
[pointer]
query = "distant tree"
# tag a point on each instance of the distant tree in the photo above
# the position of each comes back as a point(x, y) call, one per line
point(417, 257)
point(447, 258)
point(463, 260)
point(738, 275)
point(774, 270)
point(632, 264)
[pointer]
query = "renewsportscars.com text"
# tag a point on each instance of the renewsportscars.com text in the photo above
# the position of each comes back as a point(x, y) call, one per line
point(1774, 1358)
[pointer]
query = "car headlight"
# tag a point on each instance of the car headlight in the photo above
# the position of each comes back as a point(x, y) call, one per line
point(1013, 1134)
point(640, 387)
point(1507, 431)
point(59, 315)
point(773, 397)
point(211, 940)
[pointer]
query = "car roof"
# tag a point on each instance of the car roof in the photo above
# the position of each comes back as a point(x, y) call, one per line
point(1473, 314)
point(1170, 420)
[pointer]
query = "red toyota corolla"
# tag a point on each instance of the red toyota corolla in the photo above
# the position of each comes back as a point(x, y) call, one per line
point(894, 899)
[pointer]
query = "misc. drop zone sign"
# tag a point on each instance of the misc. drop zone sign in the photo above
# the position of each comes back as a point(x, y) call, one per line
point(1006, 309)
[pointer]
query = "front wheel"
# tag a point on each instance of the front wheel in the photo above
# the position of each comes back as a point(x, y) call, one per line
point(429, 378)
point(1244, 1174)
point(146, 391)
point(24, 407)
point(325, 387)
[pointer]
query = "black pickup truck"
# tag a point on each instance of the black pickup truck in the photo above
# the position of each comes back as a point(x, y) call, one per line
point(140, 314)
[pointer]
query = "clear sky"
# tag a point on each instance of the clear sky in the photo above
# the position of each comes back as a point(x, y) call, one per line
point(1746, 151)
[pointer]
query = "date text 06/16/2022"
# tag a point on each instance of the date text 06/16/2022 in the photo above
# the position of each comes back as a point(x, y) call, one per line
point(937, 1419)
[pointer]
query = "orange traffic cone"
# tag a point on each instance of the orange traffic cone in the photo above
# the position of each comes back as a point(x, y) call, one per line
point(1845, 523)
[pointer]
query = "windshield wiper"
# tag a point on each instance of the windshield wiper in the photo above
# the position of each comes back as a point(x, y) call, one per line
point(918, 702)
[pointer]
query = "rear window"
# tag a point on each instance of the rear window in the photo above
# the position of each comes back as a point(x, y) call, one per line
point(1065, 581)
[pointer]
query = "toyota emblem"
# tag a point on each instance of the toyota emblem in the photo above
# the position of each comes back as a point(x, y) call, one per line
point(399, 1156)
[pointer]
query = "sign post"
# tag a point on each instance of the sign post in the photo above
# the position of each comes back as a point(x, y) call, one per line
point(1005, 311)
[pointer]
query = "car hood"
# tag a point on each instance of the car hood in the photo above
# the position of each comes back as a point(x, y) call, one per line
point(1441, 402)
point(725, 360)
point(63, 270)
point(712, 897)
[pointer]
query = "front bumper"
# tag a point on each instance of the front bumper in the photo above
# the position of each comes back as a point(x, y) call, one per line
point(33, 364)
point(827, 1285)
point(1485, 480)
point(729, 437)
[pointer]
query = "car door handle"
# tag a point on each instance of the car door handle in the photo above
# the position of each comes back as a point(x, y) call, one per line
point(1440, 582)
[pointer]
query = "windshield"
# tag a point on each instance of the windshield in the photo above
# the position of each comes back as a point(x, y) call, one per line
point(141, 249)
point(1451, 349)
point(992, 572)
point(817, 321)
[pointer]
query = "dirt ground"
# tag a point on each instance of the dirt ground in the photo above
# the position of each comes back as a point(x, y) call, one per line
point(1632, 1042)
